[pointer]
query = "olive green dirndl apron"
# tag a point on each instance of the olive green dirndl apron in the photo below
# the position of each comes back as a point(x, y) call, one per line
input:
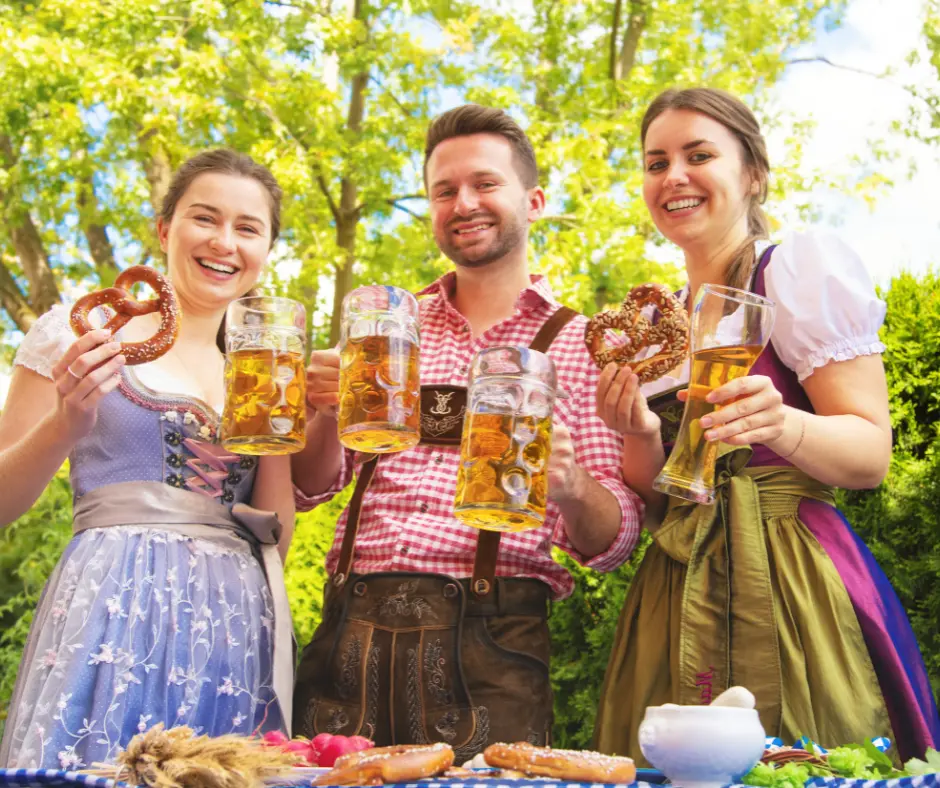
point(742, 593)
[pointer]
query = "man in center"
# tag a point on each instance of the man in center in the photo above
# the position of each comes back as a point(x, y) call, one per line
point(432, 630)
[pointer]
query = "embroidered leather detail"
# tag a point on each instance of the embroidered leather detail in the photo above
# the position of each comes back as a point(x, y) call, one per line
point(372, 692)
point(401, 603)
point(442, 412)
point(480, 738)
point(438, 427)
point(442, 405)
point(447, 725)
point(338, 721)
point(437, 678)
point(310, 717)
point(415, 706)
point(351, 660)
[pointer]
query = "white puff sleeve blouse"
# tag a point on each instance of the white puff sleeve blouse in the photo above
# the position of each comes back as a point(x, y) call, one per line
point(827, 308)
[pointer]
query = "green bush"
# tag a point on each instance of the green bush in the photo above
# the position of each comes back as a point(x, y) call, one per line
point(900, 520)
point(29, 549)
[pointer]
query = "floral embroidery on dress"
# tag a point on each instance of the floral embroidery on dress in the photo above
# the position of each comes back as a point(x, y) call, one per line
point(136, 634)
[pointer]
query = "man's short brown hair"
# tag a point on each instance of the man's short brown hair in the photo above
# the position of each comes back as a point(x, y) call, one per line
point(476, 119)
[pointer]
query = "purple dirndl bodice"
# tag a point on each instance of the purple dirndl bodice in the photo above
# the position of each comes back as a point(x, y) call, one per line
point(883, 621)
point(140, 625)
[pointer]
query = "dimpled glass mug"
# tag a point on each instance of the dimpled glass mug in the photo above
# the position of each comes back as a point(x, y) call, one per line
point(379, 378)
point(265, 385)
point(502, 480)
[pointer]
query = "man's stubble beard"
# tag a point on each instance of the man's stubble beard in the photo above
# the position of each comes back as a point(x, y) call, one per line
point(509, 237)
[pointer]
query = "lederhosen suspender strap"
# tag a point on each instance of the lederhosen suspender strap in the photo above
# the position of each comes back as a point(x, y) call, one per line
point(487, 552)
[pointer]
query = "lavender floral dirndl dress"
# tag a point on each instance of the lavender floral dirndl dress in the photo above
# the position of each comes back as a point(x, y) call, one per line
point(159, 611)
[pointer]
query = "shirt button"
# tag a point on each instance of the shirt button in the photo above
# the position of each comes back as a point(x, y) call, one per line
point(463, 370)
point(423, 507)
point(404, 551)
point(439, 459)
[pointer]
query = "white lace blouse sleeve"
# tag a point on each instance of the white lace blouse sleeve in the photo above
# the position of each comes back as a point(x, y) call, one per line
point(827, 308)
point(46, 342)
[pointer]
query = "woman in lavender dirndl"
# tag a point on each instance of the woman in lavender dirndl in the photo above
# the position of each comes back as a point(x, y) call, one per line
point(769, 587)
point(168, 605)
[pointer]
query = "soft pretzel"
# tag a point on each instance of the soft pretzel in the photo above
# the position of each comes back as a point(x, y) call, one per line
point(125, 306)
point(576, 766)
point(401, 763)
point(671, 333)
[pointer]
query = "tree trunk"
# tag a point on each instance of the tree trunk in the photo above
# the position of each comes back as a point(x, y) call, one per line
point(14, 303)
point(96, 234)
point(348, 211)
point(43, 291)
point(636, 23)
point(158, 172)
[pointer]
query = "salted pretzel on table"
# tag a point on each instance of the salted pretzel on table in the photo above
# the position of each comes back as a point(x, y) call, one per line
point(670, 333)
point(122, 303)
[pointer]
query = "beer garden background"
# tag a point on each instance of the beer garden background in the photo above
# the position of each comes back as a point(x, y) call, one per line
point(102, 99)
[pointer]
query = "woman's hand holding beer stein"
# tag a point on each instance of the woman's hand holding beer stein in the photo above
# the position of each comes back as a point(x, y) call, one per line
point(323, 382)
point(751, 410)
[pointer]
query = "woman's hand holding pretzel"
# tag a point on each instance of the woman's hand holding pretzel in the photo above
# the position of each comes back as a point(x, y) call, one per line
point(89, 370)
point(621, 405)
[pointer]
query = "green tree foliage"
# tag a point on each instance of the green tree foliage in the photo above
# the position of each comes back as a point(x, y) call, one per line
point(900, 520)
point(101, 103)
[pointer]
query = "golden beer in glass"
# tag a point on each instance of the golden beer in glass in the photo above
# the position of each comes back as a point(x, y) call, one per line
point(379, 379)
point(729, 330)
point(265, 384)
point(502, 484)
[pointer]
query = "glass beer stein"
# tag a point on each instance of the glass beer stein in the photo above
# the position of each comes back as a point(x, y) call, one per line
point(379, 377)
point(502, 484)
point(729, 329)
point(265, 384)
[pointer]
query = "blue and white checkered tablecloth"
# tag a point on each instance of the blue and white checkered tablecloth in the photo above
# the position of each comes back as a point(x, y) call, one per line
point(52, 778)
point(44, 778)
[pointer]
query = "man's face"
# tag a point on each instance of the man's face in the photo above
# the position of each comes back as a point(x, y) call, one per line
point(480, 210)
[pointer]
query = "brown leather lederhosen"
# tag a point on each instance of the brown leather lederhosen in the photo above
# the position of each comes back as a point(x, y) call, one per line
point(405, 657)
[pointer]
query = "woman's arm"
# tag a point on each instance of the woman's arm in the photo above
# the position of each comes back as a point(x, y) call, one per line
point(273, 492)
point(622, 407)
point(43, 419)
point(847, 443)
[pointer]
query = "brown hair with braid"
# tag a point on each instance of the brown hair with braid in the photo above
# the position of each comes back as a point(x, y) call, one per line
point(734, 115)
point(223, 162)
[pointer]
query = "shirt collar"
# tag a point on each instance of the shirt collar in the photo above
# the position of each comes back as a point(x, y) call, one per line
point(537, 293)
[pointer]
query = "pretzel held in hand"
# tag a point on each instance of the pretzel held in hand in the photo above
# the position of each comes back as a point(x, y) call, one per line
point(125, 306)
point(671, 333)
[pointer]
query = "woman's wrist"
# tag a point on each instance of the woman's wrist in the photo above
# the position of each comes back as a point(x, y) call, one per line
point(793, 435)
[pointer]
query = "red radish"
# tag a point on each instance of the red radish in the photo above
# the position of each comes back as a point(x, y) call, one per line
point(274, 738)
point(360, 743)
point(320, 741)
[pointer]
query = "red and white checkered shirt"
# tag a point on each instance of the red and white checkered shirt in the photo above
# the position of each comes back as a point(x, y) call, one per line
point(407, 522)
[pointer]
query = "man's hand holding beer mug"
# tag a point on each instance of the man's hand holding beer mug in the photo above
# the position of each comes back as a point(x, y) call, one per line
point(323, 384)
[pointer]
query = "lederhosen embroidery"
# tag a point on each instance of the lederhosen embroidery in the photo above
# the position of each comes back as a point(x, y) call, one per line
point(427, 636)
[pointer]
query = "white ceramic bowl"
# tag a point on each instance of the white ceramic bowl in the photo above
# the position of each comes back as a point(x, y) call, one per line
point(701, 746)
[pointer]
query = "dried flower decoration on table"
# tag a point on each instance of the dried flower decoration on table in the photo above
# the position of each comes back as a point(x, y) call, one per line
point(177, 758)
